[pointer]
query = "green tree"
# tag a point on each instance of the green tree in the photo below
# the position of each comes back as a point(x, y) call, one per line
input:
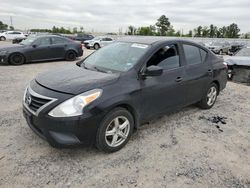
point(205, 31)
point(212, 31)
point(3, 26)
point(198, 31)
point(163, 25)
point(131, 30)
point(233, 31)
point(223, 32)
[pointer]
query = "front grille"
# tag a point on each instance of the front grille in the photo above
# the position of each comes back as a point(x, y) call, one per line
point(34, 101)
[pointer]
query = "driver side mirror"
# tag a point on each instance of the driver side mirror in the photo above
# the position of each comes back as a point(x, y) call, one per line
point(34, 45)
point(153, 71)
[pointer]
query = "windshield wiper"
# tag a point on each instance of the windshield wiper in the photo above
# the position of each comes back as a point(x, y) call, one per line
point(100, 70)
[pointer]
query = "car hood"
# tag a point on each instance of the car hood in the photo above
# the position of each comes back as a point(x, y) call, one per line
point(238, 60)
point(11, 47)
point(75, 80)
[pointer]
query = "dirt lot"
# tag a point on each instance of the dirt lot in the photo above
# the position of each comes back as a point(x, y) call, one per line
point(183, 149)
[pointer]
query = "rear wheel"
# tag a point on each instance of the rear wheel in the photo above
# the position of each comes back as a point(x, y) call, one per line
point(70, 56)
point(2, 38)
point(115, 130)
point(16, 59)
point(209, 99)
point(96, 46)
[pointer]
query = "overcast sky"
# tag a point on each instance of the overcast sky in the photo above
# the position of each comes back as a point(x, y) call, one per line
point(110, 15)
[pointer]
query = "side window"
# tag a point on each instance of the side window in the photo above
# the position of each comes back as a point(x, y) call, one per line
point(57, 40)
point(167, 57)
point(42, 41)
point(192, 54)
point(109, 39)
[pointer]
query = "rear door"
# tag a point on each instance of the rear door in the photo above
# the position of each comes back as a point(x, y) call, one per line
point(168, 91)
point(199, 73)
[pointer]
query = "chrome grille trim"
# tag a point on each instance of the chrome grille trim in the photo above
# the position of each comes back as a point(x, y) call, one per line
point(34, 94)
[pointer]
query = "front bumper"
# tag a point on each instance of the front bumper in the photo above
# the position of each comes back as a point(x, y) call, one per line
point(3, 59)
point(65, 131)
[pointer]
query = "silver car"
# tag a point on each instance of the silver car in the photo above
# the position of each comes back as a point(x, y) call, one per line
point(239, 66)
point(98, 42)
point(219, 47)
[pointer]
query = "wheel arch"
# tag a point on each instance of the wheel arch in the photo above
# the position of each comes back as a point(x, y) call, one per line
point(132, 110)
point(218, 85)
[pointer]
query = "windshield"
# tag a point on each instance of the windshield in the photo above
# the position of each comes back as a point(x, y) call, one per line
point(244, 52)
point(28, 41)
point(118, 57)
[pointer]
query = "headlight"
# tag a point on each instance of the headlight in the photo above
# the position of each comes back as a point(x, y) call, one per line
point(74, 106)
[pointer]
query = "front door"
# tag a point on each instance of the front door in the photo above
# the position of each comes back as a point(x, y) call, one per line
point(167, 91)
point(41, 49)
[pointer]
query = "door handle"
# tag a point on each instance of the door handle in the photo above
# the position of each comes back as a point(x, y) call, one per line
point(178, 79)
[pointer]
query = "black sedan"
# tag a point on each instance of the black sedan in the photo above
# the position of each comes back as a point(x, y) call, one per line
point(118, 88)
point(40, 48)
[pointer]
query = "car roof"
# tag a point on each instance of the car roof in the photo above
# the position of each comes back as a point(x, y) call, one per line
point(152, 40)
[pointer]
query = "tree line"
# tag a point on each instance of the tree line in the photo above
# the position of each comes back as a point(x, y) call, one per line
point(4, 26)
point(61, 30)
point(163, 27)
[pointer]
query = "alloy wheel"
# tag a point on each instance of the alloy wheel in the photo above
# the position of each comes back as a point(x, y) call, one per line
point(117, 131)
point(211, 96)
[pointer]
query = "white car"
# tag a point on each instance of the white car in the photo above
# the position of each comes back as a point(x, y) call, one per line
point(10, 35)
point(98, 42)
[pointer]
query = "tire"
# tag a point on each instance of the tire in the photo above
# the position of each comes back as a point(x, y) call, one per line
point(210, 97)
point(115, 130)
point(96, 46)
point(70, 55)
point(16, 59)
point(2, 38)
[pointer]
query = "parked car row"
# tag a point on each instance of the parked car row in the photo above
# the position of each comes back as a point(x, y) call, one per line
point(224, 47)
point(40, 48)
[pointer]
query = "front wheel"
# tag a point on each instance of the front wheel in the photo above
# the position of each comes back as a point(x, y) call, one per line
point(115, 130)
point(96, 46)
point(209, 99)
point(2, 38)
point(16, 59)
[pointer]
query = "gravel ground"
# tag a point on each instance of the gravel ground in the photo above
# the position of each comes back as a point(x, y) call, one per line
point(188, 148)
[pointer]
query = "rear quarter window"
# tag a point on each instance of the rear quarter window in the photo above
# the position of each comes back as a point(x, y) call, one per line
point(194, 55)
